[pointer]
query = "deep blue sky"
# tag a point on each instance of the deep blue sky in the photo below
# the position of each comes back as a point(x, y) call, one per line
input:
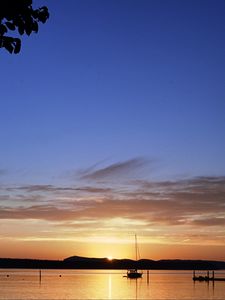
point(112, 122)
point(107, 81)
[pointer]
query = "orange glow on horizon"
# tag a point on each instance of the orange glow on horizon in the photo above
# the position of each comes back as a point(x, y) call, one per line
point(92, 223)
point(57, 250)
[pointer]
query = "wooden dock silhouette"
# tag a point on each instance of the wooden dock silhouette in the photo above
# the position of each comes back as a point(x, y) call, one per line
point(207, 277)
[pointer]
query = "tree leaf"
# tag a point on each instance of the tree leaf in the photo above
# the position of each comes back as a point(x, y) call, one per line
point(35, 26)
point(28, 29)
point(43, 14)
point(3, 29)
point(21, 26)
point(10, 25)
point(17, 46)
point(8, 46)
point(35, 13)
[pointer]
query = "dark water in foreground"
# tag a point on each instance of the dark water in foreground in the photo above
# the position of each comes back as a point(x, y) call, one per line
point(106, 284)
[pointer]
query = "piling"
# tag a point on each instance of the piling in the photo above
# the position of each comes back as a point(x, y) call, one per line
point(147, 276)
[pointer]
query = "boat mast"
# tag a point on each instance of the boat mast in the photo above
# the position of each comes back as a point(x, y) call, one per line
point(136, 246)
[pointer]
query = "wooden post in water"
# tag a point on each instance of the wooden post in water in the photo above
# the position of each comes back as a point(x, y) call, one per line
point(147, 276)
point(39, 275)
point(213, 275)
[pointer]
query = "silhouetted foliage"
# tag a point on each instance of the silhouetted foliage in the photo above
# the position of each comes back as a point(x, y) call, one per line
point(19, 15)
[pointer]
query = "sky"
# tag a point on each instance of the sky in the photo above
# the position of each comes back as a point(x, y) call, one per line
point(112, 124)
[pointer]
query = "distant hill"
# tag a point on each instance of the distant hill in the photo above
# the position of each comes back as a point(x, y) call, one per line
point(79, 262)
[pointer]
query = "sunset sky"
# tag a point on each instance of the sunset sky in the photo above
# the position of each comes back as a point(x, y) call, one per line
point(112, 123)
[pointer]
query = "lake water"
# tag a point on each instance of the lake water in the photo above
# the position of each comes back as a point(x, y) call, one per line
point(106, 284)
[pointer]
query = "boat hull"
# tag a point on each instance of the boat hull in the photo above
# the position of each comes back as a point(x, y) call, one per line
point(134, 274)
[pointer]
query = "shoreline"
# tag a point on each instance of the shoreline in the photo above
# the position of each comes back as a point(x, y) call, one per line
point(76, 262)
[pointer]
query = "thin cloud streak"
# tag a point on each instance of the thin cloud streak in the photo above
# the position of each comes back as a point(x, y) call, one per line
point(119, 170)
point(58, 189)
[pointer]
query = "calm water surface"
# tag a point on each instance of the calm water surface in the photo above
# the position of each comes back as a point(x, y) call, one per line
point(105, 284)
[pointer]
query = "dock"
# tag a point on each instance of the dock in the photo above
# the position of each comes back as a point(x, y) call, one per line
point(207, 277)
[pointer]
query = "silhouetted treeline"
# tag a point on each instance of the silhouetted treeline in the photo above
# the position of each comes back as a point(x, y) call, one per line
point(76, 262)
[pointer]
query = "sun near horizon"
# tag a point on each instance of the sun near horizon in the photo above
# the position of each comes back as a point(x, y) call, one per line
point(59, 250)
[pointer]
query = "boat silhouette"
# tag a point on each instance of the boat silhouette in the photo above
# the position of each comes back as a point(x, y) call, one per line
point(134, 273)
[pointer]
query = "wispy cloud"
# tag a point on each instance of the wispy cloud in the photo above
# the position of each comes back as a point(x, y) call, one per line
point(197, 201)
point(120, 170)
point(57, 189)
point(179, 209)
point(213, 221)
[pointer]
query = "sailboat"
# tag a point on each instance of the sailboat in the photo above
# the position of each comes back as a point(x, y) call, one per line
point(134, 273)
